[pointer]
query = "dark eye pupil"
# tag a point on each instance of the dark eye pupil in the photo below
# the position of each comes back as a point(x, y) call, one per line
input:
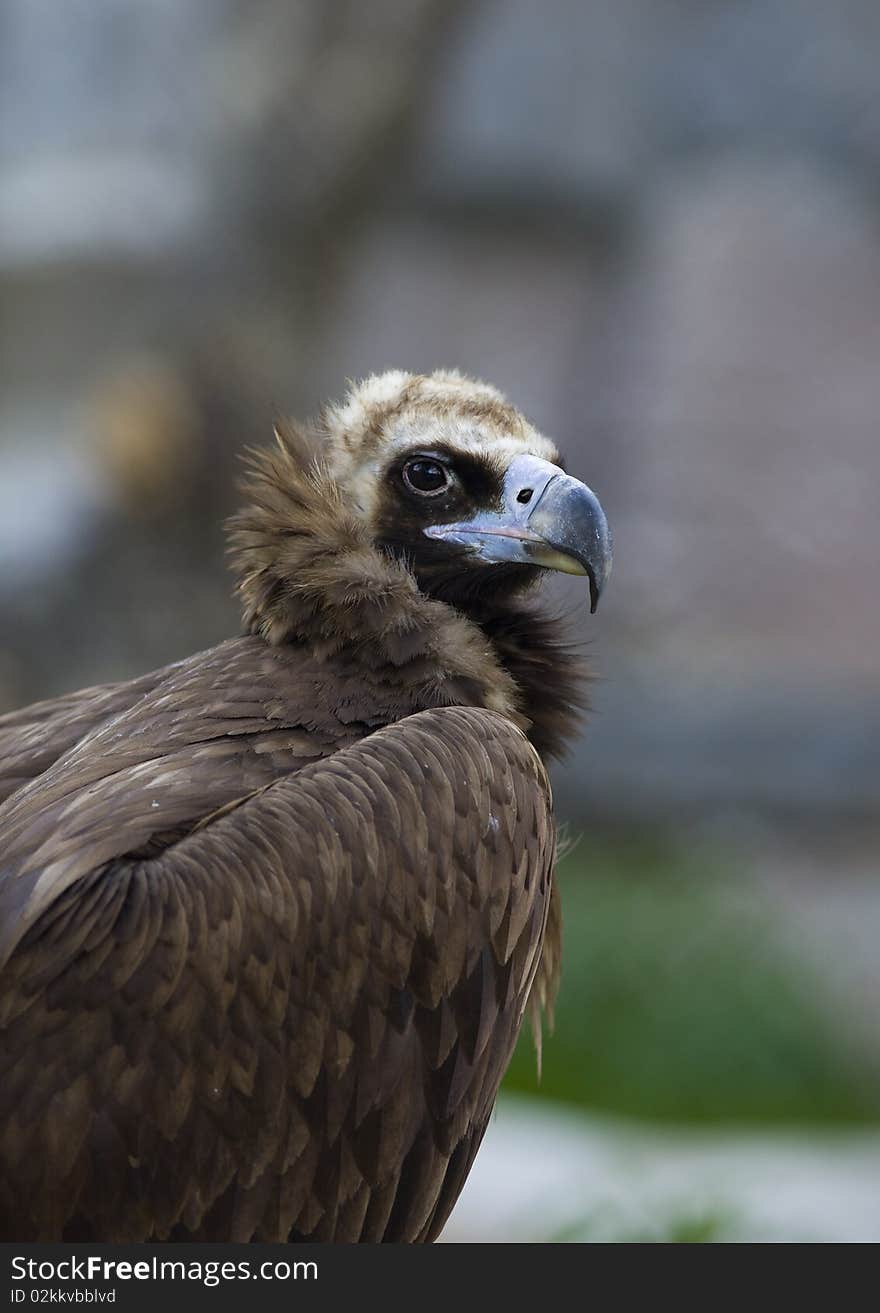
point(425, 475)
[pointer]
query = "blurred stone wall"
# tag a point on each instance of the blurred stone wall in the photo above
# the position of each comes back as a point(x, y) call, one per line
point(654, 224)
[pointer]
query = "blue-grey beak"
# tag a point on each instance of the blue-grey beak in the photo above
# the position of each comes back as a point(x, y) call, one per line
point(546, 518)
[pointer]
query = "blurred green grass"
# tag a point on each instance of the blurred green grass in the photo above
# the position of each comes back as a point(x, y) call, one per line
point(674, 1228)
point(680, 1003)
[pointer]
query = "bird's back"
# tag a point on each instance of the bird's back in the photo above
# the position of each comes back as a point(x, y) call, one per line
point(263, 965)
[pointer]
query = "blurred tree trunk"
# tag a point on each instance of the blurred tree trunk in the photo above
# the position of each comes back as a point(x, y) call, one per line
point(176, 186)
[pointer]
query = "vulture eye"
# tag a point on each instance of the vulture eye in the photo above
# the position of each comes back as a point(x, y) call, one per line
point(427, 477)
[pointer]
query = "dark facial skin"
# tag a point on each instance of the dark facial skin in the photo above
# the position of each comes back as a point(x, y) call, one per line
point(444, 570)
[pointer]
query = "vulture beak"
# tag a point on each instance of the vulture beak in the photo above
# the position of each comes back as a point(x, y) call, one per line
point(546, 518)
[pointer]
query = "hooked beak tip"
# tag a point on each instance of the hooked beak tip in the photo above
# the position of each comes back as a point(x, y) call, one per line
point(570, 519)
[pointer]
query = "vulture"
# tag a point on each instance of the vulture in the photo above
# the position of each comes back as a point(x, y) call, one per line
point(271, 917)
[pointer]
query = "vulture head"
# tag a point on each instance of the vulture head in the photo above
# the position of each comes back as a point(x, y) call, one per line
point(428, 481)
point(454, 480)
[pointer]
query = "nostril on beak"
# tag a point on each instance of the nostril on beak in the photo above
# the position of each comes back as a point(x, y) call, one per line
point(525, 495)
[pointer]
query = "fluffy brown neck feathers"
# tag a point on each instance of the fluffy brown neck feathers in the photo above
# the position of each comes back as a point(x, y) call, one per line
point(309, 573)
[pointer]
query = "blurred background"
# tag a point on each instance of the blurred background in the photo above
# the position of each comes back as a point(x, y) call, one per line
point(655, 225)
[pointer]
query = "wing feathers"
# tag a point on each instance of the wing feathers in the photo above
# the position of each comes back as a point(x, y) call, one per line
point(299, 1012)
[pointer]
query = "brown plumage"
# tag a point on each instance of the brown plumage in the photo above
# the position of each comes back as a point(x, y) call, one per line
point(270, 918)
